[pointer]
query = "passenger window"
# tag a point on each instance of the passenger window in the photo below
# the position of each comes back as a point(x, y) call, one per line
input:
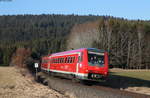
point(51, 60)
point(55, 60)
point(73, 59)
point(63, 60)
point(58, 60)
point(66, 60)
point(70, 59)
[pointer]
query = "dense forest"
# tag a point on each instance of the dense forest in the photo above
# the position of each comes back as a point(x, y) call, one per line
point(127, 41)
point(42, 34)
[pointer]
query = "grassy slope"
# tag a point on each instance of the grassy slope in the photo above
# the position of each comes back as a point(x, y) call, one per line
point(137, 81)
point(143, 75)
point(119, 78)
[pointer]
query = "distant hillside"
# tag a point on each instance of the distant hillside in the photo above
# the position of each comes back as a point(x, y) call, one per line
point(127, 41)
point(42, 33)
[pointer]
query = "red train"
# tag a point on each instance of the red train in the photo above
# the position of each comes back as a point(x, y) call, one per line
point(84, 64)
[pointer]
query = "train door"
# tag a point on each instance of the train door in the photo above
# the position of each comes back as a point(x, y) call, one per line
point(78, 62)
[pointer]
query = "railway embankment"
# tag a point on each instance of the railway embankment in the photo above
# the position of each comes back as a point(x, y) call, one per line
point(15, 83)
point(78, 90)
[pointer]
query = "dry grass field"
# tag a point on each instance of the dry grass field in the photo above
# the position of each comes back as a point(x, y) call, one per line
point(14, 85)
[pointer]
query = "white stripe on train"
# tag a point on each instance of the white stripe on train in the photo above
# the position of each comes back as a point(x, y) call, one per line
point(65, 72)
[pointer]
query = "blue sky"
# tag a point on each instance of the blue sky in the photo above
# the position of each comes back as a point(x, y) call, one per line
point(130, 9)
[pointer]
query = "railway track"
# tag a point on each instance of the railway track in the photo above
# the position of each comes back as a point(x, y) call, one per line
point(78, 90)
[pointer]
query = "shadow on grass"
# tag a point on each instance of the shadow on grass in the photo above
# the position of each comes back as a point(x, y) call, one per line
point(116, 81)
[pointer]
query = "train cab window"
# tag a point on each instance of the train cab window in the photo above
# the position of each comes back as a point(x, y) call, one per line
point(95, 59)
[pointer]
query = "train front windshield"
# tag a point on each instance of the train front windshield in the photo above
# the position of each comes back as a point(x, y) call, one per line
point(96, 59)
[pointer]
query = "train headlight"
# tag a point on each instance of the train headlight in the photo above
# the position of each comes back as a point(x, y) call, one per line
point(86, 70)
point(80, 65)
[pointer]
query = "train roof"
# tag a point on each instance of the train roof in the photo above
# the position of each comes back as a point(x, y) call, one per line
point(77, 50)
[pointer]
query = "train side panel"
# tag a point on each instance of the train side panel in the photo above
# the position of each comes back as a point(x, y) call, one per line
point(76, 62)
point(65, 63)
